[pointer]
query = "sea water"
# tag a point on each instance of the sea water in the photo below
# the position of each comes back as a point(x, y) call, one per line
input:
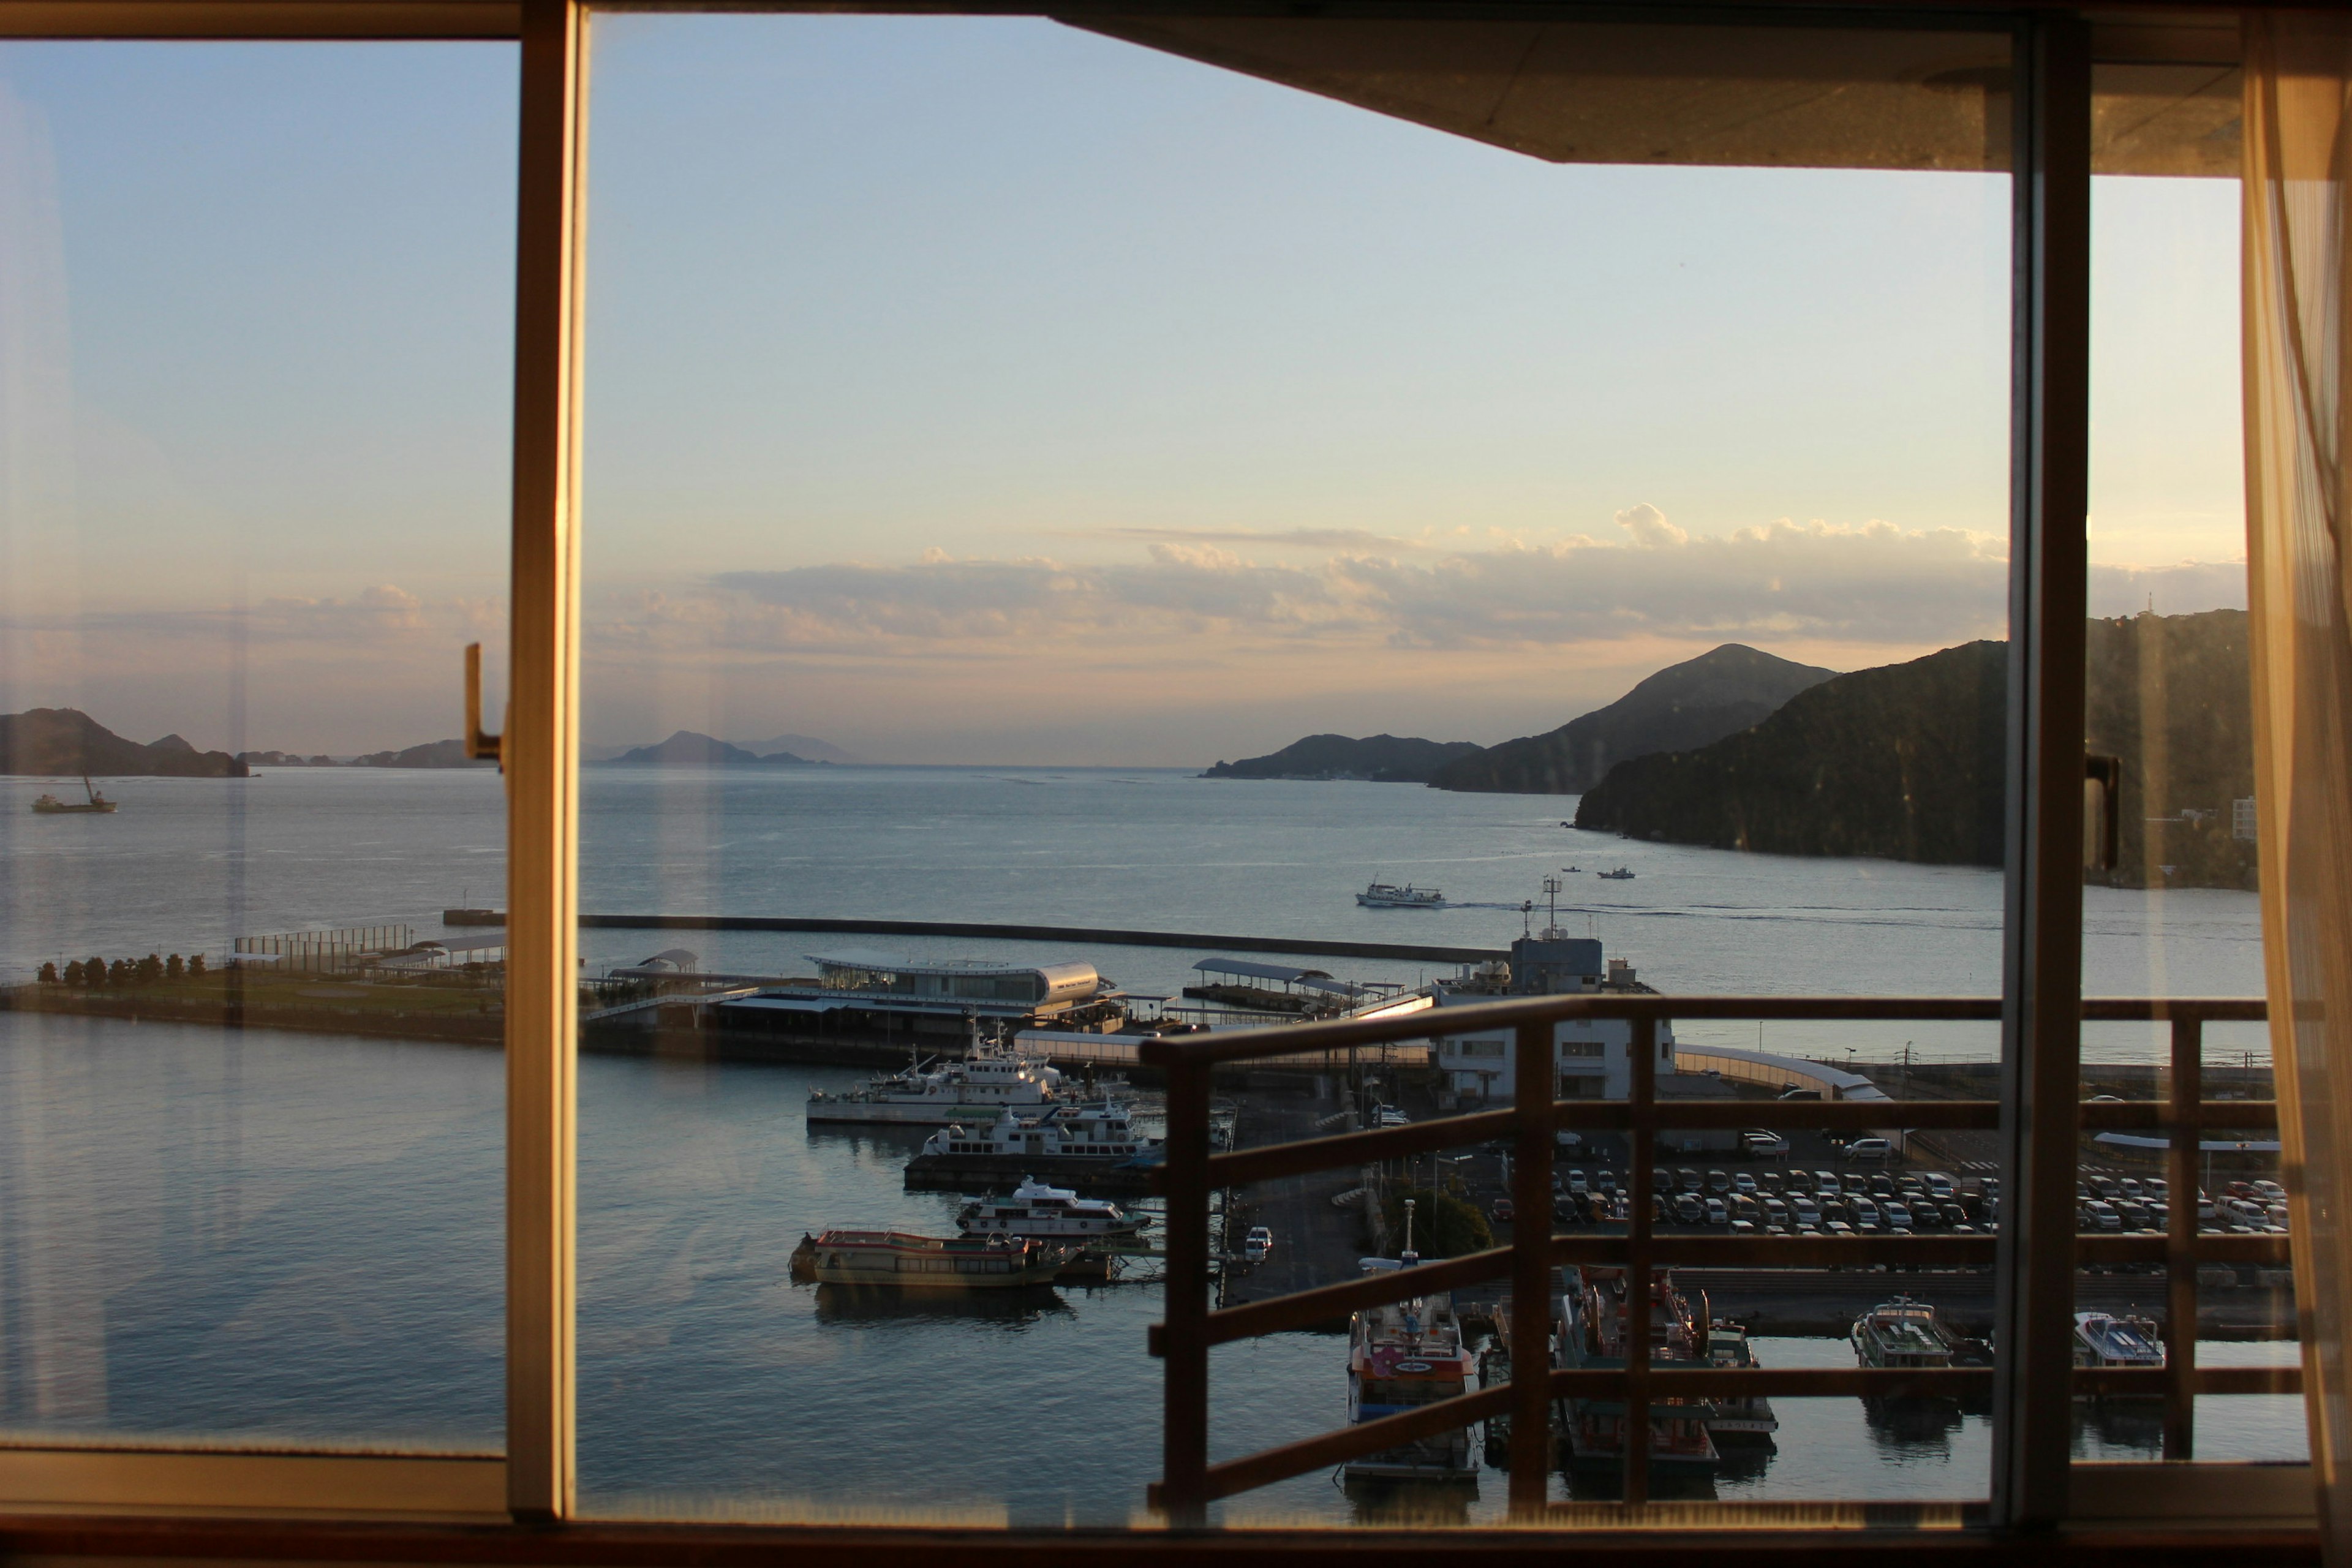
point(272, 1237)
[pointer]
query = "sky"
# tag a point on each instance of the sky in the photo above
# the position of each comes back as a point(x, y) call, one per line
point(982, 390)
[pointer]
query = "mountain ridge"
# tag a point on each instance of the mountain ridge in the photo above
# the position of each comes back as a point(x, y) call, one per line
point(1721, 692)
point(63, 742)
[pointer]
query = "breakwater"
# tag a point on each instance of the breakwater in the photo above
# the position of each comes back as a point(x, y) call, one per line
point(1107, 936)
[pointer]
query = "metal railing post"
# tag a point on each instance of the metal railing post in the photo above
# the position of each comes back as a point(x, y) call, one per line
point(1642, 1141)
point(1533, 1086)
point(2179, 1237)
point(1184, 1341)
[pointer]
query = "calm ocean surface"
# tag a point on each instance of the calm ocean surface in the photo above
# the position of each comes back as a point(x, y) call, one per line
point(272, 1235)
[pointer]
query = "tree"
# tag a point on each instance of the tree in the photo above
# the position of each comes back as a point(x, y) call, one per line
point(118, 974)
point(1442, 1224)
point(149, 970)
point(195, 966)
point(49, 975)
point(173, 970)
point(93, 971)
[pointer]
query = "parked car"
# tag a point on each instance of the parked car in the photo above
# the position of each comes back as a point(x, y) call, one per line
point(1882, 1185)
point(1606, 1181)
point(1257, 1244)
point(1800, 1181)
point(1807, 1211)
point(1687, 1178)
point(1741, 1182)
point(1870, 1149)
point(1769, 1181)
point(1689, 1209)
point(1718, 1211)
point(1826, 1184)
point(1761, 1143)
point(2100, 1215)
point(1899, 1215)
point(1940, 1186)
point(1504, 1211)
point(1776, 1211)
point(1576, 1182)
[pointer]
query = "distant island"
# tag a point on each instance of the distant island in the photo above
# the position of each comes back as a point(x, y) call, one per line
point(688, 749)
point(62, 742)
point(1683, 707)
point(1906, 761)
point(1382, 759)
point(449, 753)
point(807, 747)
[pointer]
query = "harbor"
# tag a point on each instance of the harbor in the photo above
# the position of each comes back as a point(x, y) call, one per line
point(703, 1166)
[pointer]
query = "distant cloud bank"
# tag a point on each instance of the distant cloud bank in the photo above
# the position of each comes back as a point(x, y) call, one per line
point(1872, 584)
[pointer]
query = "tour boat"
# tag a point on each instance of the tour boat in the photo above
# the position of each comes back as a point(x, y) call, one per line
point(1388, 896)
point(50, 805)
point(1101, 1131)
point(1038, 1210)
point(990, 1080)
point(897, 1257)
point(1592, 1332)
point(1401, 1356)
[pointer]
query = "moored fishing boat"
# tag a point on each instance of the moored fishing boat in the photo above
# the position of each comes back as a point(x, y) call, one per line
point(1038, 1210)
point(1741, 1420)
point(1907, 1335)
point(907, 1261)
point(1592, 1332)
point(1403, 1355)
point(2104, 1340)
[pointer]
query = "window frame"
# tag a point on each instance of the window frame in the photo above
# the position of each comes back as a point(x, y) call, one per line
point(2035, 1484)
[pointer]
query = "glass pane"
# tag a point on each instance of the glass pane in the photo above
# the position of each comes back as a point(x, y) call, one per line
point(1052, 501)
point(2175, 914)
point(255, 399)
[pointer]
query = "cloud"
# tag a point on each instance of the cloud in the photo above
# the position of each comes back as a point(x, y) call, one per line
point(1873, 584)
point(1305, 538)
point(1649, 527)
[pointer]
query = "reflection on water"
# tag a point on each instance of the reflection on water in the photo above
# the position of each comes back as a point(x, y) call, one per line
point(1015, 1308)
point(1912, 1428)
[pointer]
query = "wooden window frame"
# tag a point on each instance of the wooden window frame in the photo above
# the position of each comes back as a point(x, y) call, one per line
point(82, 1498)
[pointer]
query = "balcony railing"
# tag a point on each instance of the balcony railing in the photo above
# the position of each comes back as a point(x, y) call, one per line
point(1189, 1482)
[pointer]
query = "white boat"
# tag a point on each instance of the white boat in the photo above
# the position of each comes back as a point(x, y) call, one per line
point(1388, 896)
point(1907, 1335)
point(991, 1080)
point(1402, 1356)
point(2102, 1339)
point(1623, 874)
point(1038, 1210)
point(1102, 1131)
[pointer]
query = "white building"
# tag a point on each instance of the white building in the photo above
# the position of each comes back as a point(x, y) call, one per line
point(1592, 1055)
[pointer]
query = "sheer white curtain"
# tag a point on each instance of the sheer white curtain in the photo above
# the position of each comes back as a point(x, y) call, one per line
point(2298, 160)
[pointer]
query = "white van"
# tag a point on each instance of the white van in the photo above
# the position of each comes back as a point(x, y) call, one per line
point(1870, 1149)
